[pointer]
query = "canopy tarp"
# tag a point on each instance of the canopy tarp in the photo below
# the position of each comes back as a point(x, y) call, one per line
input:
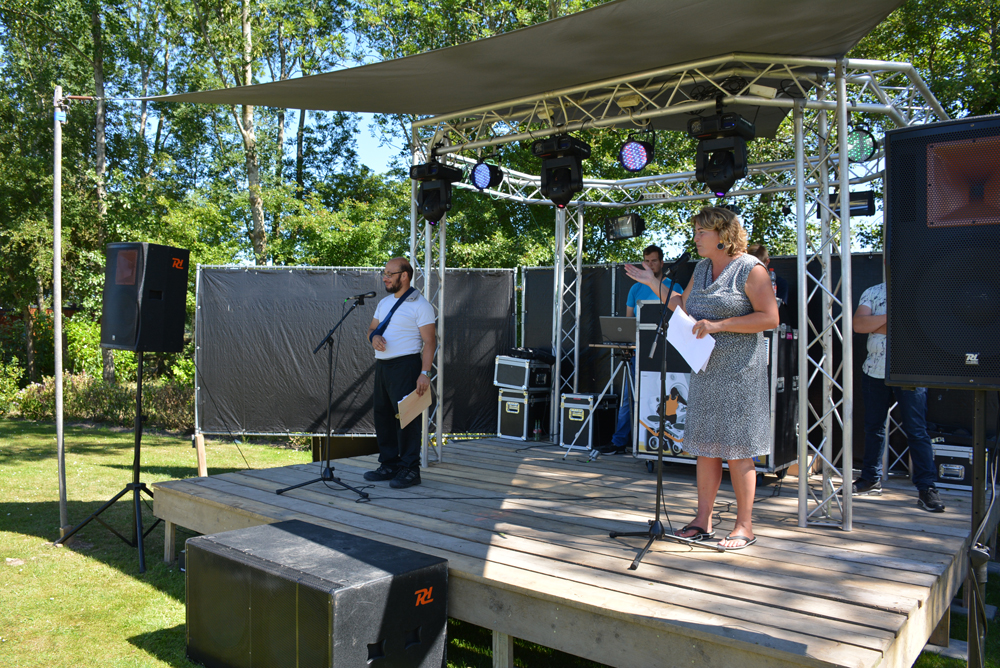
point(605, 42)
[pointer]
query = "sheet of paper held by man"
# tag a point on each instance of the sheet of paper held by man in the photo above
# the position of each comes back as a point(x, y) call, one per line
point(695, 351)
point(413, 405)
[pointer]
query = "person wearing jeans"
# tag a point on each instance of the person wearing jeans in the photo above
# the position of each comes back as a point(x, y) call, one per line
point(653, 258)
point(870, 318)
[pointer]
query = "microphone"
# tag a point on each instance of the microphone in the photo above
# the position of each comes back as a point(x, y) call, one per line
point(669, 271)
point(367, 295)
point(677, 263)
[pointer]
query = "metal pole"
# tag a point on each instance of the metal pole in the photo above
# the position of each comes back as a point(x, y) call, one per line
point(826, 320)
point(846, 314)
point(557, 311)
point(800, 273)
point(59, 116)
point(578, 270)
point(975, 635)
point(439, 422)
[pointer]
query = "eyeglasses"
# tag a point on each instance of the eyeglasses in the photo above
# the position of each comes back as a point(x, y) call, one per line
point(390, 274)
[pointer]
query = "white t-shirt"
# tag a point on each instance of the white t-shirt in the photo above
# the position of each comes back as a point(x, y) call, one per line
point(874, 298)
point(402, 336)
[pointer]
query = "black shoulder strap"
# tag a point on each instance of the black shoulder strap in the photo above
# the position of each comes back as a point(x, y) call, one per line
point(385, 323)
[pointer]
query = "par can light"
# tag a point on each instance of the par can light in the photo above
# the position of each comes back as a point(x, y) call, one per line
point(485, 175)
point(635, 154)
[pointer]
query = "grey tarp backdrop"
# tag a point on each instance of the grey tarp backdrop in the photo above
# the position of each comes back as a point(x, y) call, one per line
point(256, 328)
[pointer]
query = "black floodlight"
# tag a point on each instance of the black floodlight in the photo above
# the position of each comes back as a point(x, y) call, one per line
point(861, 144)
point(722, 149)
point(562, 176)
point(635, 154)
point(434, 193)
point(485, 175)
point(624, 227)
point(860, 203)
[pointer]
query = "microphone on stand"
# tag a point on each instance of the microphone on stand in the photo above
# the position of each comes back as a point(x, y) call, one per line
point(361, 298)
point(669, 271)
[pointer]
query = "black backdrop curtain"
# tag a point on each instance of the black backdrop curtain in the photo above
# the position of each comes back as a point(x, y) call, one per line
point(255, 331)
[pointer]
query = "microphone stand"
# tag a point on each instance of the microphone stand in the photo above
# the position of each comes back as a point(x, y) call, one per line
point(656, 529)
point(326, 474)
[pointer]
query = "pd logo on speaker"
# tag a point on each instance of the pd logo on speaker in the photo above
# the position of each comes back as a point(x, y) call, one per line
point(178, 263)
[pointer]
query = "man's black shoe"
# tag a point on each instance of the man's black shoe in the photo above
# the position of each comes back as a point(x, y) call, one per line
point(611, 449)
point(930, 500)
point(383, 472)
point(872, 488)
point(405, 478)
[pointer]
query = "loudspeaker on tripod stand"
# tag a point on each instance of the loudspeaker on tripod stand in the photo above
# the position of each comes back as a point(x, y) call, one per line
point(942, 223)
point(145, 295)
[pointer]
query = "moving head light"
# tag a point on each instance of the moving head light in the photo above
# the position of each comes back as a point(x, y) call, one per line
point(562, 176)
point(434, 193)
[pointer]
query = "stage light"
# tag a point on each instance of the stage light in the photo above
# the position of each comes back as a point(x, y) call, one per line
point(861, 144)
point(484, 176)
point(434, 192)
point(860, 203)
point(635, 154)
point(561, 173)
point(722, 150)
point(624, 227)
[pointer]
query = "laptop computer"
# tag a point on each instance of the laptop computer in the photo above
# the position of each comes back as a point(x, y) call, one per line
point(616, 329)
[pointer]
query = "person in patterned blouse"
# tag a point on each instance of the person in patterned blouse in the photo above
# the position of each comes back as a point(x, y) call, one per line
point(870, 319)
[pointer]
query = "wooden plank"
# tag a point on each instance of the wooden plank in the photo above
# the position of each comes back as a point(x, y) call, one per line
point(503, 650)
point(854, 545)
point(784, 609)
point(169, 541)
point(724, 566)
point(747, 642)
point(199, 448)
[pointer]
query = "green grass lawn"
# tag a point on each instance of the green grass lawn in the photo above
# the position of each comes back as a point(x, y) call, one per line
point(87, 604)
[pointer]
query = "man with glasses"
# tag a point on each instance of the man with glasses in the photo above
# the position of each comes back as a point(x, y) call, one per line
point(403, 336)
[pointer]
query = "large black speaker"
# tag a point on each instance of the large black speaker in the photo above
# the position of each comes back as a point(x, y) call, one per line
point(145, 297)
point(297, 595)
point(942, 215)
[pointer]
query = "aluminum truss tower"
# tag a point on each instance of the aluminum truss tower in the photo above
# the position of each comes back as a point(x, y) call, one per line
point(812, 89)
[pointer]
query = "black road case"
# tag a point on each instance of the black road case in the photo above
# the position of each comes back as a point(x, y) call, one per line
point(520, 412)
point(521, 374)
point(576, 408)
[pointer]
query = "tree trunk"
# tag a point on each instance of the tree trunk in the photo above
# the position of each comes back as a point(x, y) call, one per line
point(29, 337)
point(100, 159)
point(300, 180)
point(258, 234)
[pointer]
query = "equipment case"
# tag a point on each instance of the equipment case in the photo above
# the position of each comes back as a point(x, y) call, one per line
point(519, 411)
point(574, 410)
point(521, 374)
point(953, 466)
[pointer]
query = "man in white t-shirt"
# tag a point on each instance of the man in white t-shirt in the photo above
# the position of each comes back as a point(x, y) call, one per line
point(871, 319)
point(403, 335)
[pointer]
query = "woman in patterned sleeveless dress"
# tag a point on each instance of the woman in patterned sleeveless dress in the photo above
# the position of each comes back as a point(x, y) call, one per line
point(728, 418)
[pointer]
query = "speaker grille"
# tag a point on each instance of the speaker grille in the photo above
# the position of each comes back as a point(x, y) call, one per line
point(943, 286)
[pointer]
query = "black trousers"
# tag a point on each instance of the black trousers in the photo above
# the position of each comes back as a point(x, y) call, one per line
point(394, 379)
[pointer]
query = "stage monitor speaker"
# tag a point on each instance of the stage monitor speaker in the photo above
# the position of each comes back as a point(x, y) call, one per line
point(145, 297)
point(297, 595)
point(942, 231)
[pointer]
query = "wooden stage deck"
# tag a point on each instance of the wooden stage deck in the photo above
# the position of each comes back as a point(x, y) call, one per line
point(526, 537)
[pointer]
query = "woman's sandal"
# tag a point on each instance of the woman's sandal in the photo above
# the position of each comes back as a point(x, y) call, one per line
point(701, 535)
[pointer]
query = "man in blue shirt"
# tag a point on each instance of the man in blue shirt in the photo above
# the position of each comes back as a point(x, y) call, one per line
point(652, 257)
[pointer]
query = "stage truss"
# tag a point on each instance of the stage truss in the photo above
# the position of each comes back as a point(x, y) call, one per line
point(812, 89)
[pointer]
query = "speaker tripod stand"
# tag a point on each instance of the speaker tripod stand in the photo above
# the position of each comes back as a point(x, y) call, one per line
point(137, 487)
point(657, 531)
point(326, 473)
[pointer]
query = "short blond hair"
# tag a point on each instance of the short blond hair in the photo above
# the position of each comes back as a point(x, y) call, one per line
point(729, 226)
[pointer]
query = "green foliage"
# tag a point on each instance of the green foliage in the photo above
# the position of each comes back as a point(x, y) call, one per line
point(10, 382)
point(167, 404)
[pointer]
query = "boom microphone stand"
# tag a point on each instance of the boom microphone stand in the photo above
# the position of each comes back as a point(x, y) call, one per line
point(326, 475)
point(656, 529)
point(136, 487)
